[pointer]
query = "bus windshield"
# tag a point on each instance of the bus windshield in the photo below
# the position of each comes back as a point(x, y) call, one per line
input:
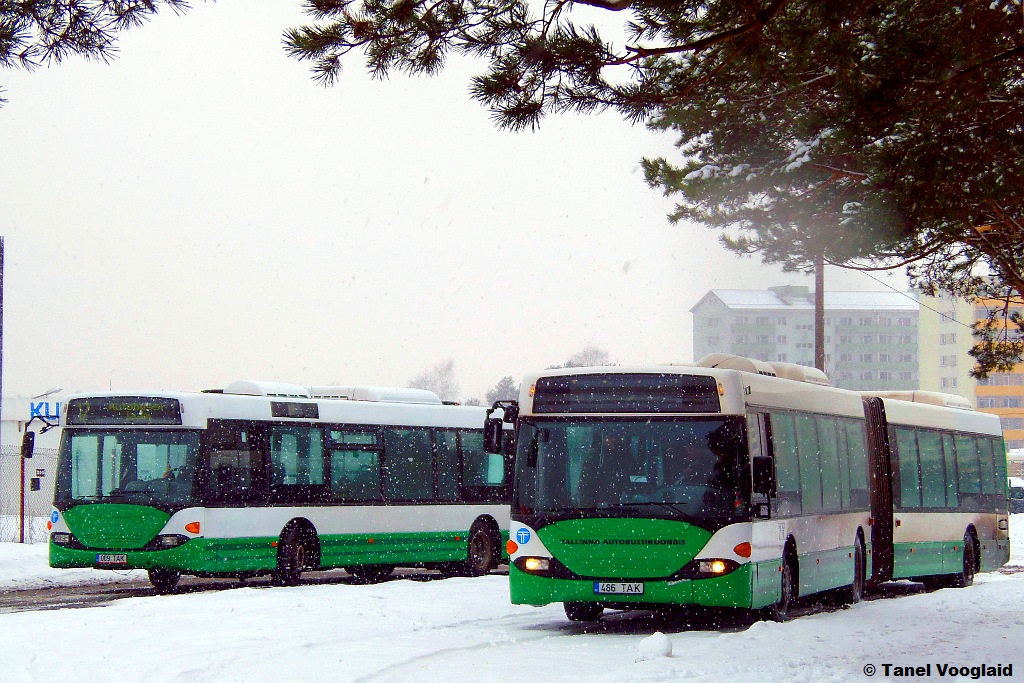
point(690, 468)
point(144, 467)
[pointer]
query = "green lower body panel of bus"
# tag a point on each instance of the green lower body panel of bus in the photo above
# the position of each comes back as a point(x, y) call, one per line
point(259, 554)
point(912, 560)
point(739, 588)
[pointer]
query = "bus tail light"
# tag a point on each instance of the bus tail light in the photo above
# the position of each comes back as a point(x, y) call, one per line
point(192, 527)
point(743, 550)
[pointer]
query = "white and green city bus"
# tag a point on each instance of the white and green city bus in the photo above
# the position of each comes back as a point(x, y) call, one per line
point(269, 478)
point(738, 483)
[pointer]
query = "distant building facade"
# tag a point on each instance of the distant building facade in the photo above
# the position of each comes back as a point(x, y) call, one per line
point(871, 338)
point(946, 364)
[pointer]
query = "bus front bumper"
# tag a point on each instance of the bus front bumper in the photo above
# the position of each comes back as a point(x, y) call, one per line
point(732, 590)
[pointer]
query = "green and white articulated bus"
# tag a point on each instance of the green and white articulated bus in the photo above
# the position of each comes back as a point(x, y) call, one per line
point(270, 478)
point(738, 483)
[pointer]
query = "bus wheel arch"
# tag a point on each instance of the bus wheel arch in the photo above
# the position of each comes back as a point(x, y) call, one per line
point(483, 547)
point(298, 549)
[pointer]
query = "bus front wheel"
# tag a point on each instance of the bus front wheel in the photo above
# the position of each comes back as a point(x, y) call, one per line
point(583, 611)
point(371, 573)
point(164, 580)
point(780, 610)
point(854, 593)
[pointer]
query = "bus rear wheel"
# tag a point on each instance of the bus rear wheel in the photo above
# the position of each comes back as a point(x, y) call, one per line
point(482, 551)
point(164, 580)
point(583, 611)
point(371, 573)
point(291, 558)
point(966, 576)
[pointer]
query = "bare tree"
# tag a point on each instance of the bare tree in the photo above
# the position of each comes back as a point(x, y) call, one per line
point(440, 379)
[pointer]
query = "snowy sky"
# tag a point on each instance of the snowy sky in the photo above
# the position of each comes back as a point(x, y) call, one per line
point(199, 211)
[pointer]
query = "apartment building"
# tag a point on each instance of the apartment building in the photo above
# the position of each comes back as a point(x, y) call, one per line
point(945, 364)
point(871, 338)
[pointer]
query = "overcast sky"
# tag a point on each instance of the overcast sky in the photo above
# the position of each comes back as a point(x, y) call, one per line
point(200, 211)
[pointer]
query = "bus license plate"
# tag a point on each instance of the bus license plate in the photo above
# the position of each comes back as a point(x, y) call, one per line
point(618, 588)
point(111, 559)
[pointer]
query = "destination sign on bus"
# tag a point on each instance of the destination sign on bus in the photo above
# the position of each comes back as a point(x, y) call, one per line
point(123, 410)
point(626, 393)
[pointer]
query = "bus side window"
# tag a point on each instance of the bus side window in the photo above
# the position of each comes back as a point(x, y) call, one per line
point(908, 471)
point(787, 466)
point(858, 464)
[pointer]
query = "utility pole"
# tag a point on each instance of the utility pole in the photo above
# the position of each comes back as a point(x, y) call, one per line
point(819, 311)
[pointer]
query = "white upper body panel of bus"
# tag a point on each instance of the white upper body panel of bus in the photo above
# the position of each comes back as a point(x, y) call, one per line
point(198, 408)
point(935, 410)
point(738, 389)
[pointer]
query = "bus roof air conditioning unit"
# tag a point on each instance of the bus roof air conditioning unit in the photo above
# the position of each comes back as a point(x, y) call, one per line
point(385, 394)
point(247, 387)
point(801, 373)
point(728, 361)
point(934, 398)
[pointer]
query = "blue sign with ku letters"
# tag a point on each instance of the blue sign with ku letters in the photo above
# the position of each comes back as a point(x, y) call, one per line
point(523, 536)
point(42, 409)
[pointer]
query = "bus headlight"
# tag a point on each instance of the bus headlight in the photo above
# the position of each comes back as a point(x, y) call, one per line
point(62, 538)
point(165, 541)
point(533, 565)
point(706, 568)
point(713, 567)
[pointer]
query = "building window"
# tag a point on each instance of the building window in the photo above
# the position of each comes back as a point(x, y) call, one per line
point(865, 321)
point(906, 358)
point(782, 321)
point(845, 357)
point(906, 339)
point(885, 358)
point(846, 321)
point(885, 339)
point(867, 375)
point(761, 320)
point(781, 339)
point(904, 322)
point(867, 358)
point(845, 339)
point(761, 338)
point(885, 322)
point(905, 375)
point(885, 376)
point(782, 357)
point(867, 339)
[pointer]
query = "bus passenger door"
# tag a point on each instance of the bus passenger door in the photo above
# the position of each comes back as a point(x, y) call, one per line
point(234, 477)
point(880, 473)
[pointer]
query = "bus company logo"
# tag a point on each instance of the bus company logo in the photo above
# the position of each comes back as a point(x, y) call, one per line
point(54, 516)
point(523, 536)
point(623, 541)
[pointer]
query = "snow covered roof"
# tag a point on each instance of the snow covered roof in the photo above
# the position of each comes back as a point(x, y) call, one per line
point(802, 299)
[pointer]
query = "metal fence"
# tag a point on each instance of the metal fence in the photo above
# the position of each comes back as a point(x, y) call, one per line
point(42, 466)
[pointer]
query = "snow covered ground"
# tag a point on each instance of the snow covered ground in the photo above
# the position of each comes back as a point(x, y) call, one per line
point(465, 630)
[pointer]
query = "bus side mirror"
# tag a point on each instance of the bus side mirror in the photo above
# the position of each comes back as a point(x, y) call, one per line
point(28, 444)
point(764, 475)
point(492, 435)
